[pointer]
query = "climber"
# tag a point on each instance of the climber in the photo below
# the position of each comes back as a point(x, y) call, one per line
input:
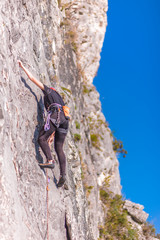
point(57, 123)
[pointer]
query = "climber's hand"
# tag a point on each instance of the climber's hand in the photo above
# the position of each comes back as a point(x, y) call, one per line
point(33, 79)
point(20, 63)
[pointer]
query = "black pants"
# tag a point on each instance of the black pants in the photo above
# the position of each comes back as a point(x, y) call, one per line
point(58, 141)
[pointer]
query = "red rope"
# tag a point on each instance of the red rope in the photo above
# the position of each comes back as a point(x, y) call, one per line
point(50, 140)
point(47, 189)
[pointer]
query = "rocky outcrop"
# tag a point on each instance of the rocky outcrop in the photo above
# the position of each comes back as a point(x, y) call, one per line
point(136, 211)
point(60, 43)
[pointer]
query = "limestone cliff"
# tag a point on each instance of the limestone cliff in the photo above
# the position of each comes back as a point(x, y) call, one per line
point(60, 43)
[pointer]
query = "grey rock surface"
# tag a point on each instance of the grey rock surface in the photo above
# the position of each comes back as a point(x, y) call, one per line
point(60, 43)
point(32, 31)
point(136, 211)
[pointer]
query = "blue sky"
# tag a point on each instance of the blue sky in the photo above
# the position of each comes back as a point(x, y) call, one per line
point(128, 81)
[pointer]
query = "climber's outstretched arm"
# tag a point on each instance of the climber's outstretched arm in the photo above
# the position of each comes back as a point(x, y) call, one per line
point(33, 79)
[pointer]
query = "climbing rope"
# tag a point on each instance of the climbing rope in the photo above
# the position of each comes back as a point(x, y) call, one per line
point(50, 140)
point(47, 189)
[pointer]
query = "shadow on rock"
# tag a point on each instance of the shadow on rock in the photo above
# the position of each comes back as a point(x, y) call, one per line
point(40, 110)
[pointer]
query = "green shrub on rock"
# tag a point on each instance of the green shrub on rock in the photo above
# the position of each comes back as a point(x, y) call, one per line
point(116, 224)
point(77, 137)
point(95, 140)
point(118, 147)
point(77, 125)
point(148, 230)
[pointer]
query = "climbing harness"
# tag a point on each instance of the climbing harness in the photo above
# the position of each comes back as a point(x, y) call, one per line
point(65, 108)
point(55, 107)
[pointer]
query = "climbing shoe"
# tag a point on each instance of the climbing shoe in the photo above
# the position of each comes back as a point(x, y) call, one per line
point(48, 164)
point(61, 181)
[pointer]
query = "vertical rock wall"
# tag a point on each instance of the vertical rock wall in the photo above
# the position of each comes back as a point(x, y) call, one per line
point(60, 43)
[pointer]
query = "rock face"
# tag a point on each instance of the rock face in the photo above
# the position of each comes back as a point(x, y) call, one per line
point(136, 211)
point(60, 43)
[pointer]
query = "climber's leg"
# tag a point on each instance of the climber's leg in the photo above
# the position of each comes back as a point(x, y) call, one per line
point(43, 142)
point(60, 136)
point(58, 143)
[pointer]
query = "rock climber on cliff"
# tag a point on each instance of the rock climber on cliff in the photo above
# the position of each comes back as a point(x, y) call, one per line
point(57, 123)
